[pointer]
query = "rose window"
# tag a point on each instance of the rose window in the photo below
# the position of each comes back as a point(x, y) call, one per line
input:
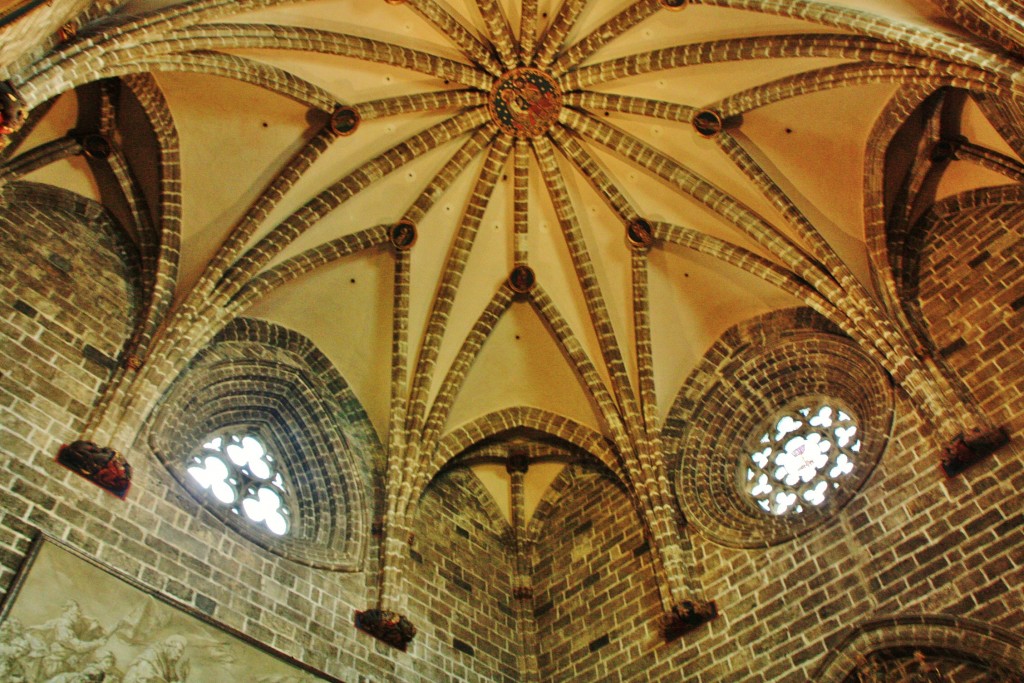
point(802, 458)
point(238, 471)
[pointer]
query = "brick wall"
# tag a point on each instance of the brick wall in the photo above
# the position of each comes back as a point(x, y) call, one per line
point(595, 597)
point(460, 585)
point(910, 543)
point(67, 308)
point(972, 303)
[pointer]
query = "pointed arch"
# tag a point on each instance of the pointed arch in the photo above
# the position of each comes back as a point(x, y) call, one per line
point(991, 648)
point(493, 424)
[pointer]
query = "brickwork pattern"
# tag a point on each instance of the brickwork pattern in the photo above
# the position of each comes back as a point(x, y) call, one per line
point(595, 593)
point(163, 537)
point(1001, 21)
point(460, 581)
point(744, 381)
point(306, 411)
point(972, 651)
point(971, 289)
point(72, 300)
point(908, 543)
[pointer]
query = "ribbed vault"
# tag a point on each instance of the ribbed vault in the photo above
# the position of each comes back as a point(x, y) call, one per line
point(498, 214)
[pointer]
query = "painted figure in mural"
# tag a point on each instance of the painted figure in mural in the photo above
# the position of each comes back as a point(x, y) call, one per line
point(102, 669)
point(71, 638)
point(164, 662)
point(104, 662)
point(14, 647)
point(79, 677)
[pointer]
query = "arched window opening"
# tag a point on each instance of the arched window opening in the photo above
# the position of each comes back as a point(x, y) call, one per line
point(239, 471)
point(801, 457)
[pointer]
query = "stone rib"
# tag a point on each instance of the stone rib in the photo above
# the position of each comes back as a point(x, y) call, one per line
point(456, 375)
point(591, 288)
point(647, 495)
point(236, 68)
point(594, 174)
point(396, 437)
point(686, 181)
point(644, 351)
point(625, 104)
point(160, 247)
point(993, 161)
point(421, 102)
point(38, 157)
point(521, 202)
point(852, 296)
point(741, 258)
point(604, 34)
point(736, 49)
point(458, 34)
point(257, 212)
point(452, 275)
point(920, 40)
point(329, 199)
point(269, 36)
point(306, 262)
point(556, 34)
point(462, 437)
point(527, 31)
point(499, 30)
point(168, 230)
point(829, 78)
point(584, 366)
point(88, 46)
point(451, 170)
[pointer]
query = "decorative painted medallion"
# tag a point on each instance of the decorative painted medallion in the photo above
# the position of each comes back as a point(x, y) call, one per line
point(525, 102)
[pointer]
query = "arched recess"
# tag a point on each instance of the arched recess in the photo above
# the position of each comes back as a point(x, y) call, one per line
point(69, 266)
point(957, 648)
point(552, 498)
point(259, 374)
point(948, 270)
point(593, 576)
point(756, 369)
point(487, 427)
point(965, 288)
point(900, 179)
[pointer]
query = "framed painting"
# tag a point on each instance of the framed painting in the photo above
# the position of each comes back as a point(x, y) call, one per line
point(67, 619)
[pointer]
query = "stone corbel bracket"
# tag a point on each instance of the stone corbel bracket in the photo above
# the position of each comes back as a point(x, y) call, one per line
point(103, 466)
point(13, 112)
point(688, 616)
point(967, 449)
point(386, 626)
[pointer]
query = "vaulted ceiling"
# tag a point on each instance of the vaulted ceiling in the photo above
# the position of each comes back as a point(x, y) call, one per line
point(507, 133)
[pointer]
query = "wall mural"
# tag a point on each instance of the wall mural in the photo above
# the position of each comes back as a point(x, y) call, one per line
point(66, 620)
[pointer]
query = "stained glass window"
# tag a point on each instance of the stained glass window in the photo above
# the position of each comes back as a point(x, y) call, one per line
point(802, 458)
point(238, 471)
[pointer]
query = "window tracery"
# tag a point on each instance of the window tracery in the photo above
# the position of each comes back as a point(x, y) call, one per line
point(237, 470)
point(801, 459)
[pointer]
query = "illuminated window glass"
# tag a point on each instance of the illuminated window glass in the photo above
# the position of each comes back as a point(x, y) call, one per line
point(238, 471)
point(802, 458)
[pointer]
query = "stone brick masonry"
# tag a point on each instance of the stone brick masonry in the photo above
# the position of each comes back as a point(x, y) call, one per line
point(96, 340)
